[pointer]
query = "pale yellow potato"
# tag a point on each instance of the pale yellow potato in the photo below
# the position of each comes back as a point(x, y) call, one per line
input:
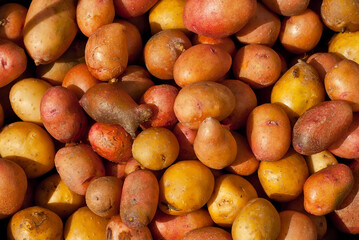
point(318, 161)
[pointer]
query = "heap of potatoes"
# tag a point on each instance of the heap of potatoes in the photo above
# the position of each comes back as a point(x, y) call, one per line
point(179, 119)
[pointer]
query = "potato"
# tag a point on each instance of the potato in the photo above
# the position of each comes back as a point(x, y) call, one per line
point(231, 193)
point(132, 165)
point(185, 137)
point(116, 229)
point(325, 190)
point(77, 175)
point(28, 145)
point(318, 161)
point(84, 224)
point(185, 186)
point(62, 115)
point(53, 194)
point(12, 17)
point(217, 19)
point(258, 219)
point(214, 145)
point(298, 89)
point(55, 18)
point(296, 225)
point(262, 28)
point(116, 169)
point(161, 99)
point(35, 223)
point(287, 8)
point(197, 101)
point(341, 83)
point(301, 33)
point(320, 126)
point(165, 226)
point(25, 98)
point(201, 62)
point(210, 233)
point(323, 62)
point(13, 62)
point(257, 65)
point(103, 196)
point(90, 15)
point(110, 141)
point(106, 52)
point(268, 132)
point(340, 16)
point(162, 50)
point(155, 148)
point(344, 44)
point(129, 8)
point(283, 180)
point(225, 43)
point(13, 187)
point(139, 199)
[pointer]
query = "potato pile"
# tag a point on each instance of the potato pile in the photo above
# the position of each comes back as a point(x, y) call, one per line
point(179, 119)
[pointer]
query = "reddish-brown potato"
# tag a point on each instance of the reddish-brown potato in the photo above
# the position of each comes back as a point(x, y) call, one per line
point(185, 137)
point(287, 7)
point(12, 19)
point(225, 43)
point(257, 65)
point(132, 165)
point(302, 32)
point(323, 62)
point(116, 230)
point(262, 28)
point(320, 126)
point(133, 8)
point(77, 166)
point(217, 19)
point(208, 233)
point(115, 169)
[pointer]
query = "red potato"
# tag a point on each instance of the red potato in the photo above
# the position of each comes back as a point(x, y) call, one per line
point(287, 7)
point(62, 115)
point(13, 61)
point(185, 137)
point(116, 230)
point(133, 8)
point(12, 19)
point(139, 199)
point(77, 166)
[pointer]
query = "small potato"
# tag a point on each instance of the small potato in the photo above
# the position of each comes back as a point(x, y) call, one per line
point(231, 193)
point(12, 17)
point(318, 161)
point(53, 194)
point(185, 137)
point(209, 233)
point(129, 8)
point(287, 7)
point(35, 223)
point(201, 62)
point(116, 230)
point(185, 186)
point(13, 187)
point(268, 132)
point(131, 166)
point(25, 98)
point(139, 199)
point(155, 148)
point(103, 196)
point(197, 101)
point(344, 44)
point(28, 145)
point(257, 65)
point(77, 175)
point(226, 43)
point(325, 190)
point(323, 62)
point(258, 219)
point(164, 226)
point(283, 180)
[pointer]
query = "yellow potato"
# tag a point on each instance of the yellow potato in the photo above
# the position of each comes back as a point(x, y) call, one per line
point(346, 45)
point(318, 161)
point(231, 193)
point(28, 145)
point(35, 223)
point(25, 97)
point(53, 194)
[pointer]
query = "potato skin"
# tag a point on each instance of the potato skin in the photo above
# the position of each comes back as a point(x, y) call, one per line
point(185, 137)
point(321, 126)
point(139, 199)
point(130, 8)
point(323, 62)
point(318, 161)
point(225, 43)
point(15, 15)
point(344, 44)
point(287, 7)
point(116, 230)
point(209, 233)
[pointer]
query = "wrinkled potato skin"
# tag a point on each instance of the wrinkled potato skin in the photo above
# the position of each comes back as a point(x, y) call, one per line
point(318, 161)
point(287, 7)
point(325, 190)
point(12, 28)
point(133, 8)
point(320, 126)
point(197, 101)
point(208, 233)
point(323, 62)
point(116, 230)
point(345, 45)
point(139, 199)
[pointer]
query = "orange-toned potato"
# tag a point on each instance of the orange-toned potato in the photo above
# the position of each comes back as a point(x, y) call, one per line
point(77, 175)
point(301, 33)
point(197, 101)
point(318, 161)
point(201, 62)
point(130, 8)
point(169, 227)
point(209, 233)
point(283, 180)
point(139, 199)
point(287, 7)
point(262, 28)
point(296, 225)
point(185, 137)
point(323, 62)
point(342, 83)
point(320, 126)
point(116, 230)
point(226, 43)
point(92, 14)
point(214, 144)
point(12, 17)
point(258, 65)
point(268, 132)
point(325, 190)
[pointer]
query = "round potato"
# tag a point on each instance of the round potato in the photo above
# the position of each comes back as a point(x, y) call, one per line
point(225, 43)
point(12, 17)
point(287, 7)
point(209, 233)
point(345, 45)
